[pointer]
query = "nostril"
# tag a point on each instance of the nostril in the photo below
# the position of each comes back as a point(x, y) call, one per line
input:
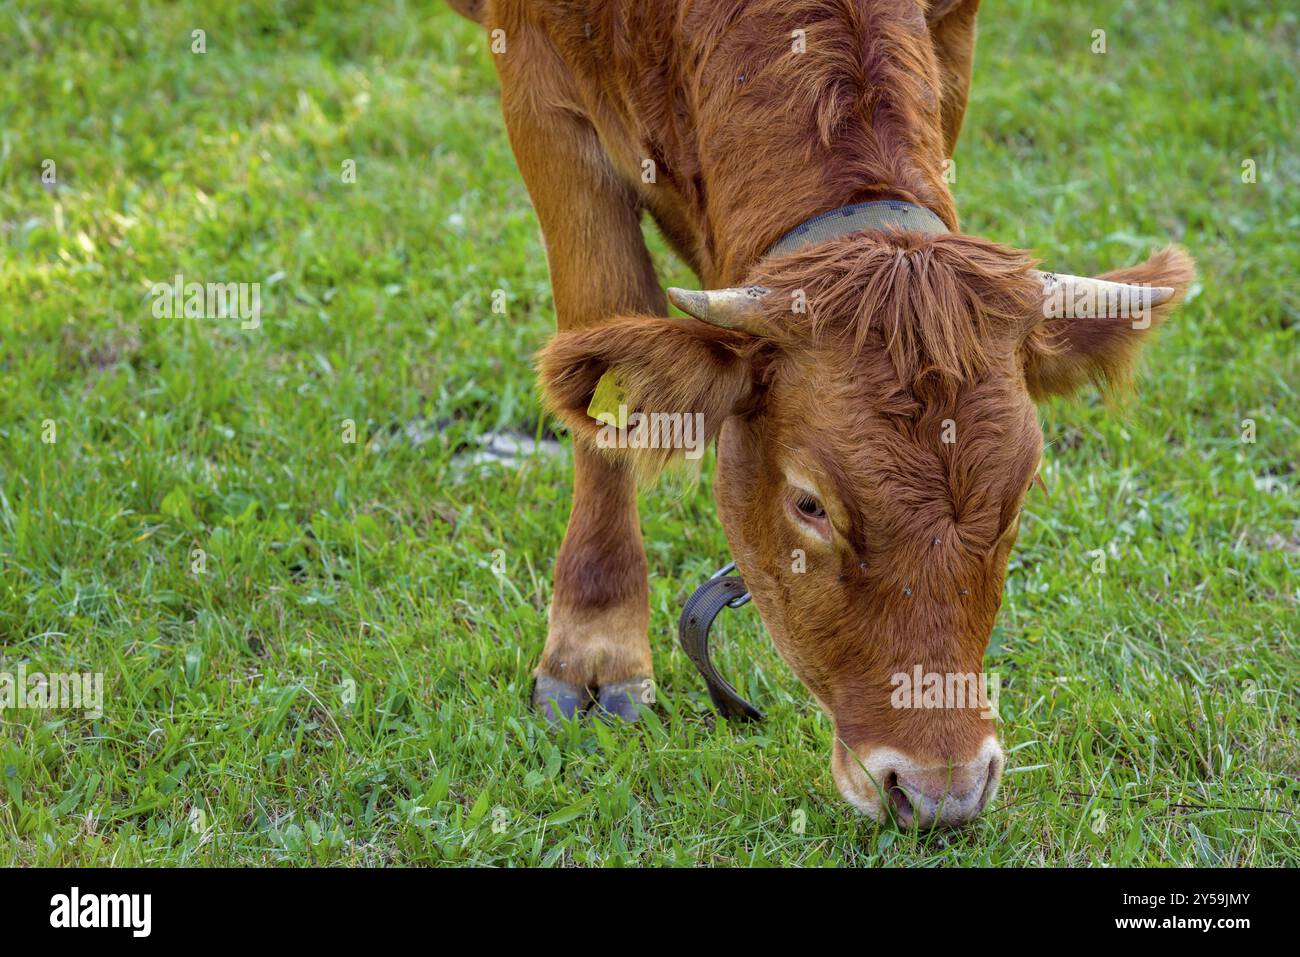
point(889, 782)
point(898, 798)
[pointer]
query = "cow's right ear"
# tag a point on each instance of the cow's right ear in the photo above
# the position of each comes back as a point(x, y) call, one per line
point(660, 368)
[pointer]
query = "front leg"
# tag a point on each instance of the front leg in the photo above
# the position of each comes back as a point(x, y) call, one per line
point(596, 644)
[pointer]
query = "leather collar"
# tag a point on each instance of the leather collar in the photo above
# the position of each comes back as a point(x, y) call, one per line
point(878, 214)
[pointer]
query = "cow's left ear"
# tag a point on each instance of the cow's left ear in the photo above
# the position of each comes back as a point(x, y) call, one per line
point(670, 367)
point(1060, 354)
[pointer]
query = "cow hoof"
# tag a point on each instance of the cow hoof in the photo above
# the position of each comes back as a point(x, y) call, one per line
point(624, 699)
point(558, 700)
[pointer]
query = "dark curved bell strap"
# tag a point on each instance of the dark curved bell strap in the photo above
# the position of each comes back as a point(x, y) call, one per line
point(701, 608)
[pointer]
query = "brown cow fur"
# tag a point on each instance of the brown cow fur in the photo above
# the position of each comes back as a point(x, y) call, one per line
point(902, 395)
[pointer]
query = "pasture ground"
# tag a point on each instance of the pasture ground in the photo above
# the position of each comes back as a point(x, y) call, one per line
point(307, 652)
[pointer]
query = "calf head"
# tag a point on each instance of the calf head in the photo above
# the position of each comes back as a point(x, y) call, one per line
point(873, 401)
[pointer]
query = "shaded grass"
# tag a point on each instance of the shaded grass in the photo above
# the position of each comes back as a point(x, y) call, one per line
point(344, 681)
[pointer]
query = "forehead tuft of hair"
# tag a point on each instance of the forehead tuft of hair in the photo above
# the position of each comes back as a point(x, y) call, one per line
point(943, 307)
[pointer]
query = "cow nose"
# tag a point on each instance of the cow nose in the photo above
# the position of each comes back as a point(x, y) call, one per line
point(927, 794)
point(943, 796)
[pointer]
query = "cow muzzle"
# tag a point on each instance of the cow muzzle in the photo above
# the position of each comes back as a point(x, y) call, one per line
point(883, 782)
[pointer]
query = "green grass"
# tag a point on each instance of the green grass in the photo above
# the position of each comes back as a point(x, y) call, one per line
point(346, 681)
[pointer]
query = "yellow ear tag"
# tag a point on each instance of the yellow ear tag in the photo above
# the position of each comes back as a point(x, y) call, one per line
point(607, 401)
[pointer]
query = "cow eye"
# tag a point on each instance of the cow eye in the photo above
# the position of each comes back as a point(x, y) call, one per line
point(806, 511)
point(809, 506)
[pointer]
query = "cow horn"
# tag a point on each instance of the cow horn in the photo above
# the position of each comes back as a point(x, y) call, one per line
point(738, 308)
point(1064, 295)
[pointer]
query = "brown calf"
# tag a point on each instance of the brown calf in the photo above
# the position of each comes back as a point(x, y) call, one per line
point(872, 394)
